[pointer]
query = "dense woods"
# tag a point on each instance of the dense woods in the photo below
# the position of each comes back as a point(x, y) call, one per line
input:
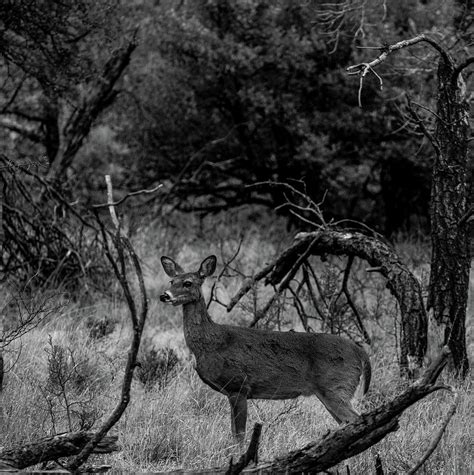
point(229, 126)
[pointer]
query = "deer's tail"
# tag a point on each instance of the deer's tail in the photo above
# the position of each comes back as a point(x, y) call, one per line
point(365, 376)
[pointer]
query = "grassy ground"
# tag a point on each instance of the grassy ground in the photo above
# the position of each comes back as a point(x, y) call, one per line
point(174, 420)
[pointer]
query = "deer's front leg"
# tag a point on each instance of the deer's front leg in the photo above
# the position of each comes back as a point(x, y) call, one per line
point(238, 405)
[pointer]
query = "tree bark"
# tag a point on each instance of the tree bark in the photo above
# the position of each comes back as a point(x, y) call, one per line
point(450, 191)
point(52, 448)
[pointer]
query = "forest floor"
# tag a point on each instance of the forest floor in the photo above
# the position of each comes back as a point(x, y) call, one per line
point(66, 373)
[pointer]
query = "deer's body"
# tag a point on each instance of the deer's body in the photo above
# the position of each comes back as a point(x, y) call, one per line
point(245, 363)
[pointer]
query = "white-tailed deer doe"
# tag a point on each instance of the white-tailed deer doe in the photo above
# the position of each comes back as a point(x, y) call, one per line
point(245, 363)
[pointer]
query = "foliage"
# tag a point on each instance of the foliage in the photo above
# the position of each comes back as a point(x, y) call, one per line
point(45, 241)
point(49, 59)
point(224, 94)
point(67, 390)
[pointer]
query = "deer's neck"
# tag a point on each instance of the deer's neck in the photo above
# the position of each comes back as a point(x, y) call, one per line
point(197, 324)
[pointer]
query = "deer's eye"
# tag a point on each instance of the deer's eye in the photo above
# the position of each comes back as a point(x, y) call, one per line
point(187, 283)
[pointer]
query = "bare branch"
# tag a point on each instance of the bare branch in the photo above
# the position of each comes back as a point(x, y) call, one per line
point(248, 284)
point(127, 196)
point(227, 263)
point(345, 289)
point(121, 243)
point(285, 282)
point(362, 69)
point(421, 124)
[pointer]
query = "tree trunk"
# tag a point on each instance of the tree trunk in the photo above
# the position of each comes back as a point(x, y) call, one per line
point(450, 260)
point(98, 95)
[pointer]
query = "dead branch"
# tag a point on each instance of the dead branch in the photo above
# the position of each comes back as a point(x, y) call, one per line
point(248, 284)
point(361, 69)
point(227, 263)
point(52, 448)
point(422, 126)
point(311, 292)
point(309, 206)
point(138, 317)
point(285, 282)
point(347, 294)
point(127, 196)
point(300, 309)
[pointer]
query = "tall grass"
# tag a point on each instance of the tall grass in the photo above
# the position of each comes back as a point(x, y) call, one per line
point(182, 423)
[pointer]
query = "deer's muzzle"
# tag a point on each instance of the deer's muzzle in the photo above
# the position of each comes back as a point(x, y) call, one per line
point(166, 297)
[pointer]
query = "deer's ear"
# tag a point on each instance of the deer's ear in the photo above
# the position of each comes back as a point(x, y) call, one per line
point(208, 266)
point(170, 266)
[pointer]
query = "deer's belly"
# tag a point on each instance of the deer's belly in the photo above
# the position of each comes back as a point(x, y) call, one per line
point(265, 384)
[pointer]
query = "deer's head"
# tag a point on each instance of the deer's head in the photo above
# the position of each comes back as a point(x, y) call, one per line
point(185, 287)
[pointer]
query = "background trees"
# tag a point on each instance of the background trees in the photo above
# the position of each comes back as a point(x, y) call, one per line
point(228, 93)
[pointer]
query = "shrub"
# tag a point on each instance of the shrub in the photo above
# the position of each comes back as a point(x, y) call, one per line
point(157, 367)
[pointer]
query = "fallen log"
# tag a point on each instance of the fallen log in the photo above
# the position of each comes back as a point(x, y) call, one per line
point(53, 448)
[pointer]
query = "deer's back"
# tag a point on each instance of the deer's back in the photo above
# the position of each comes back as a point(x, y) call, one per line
point(277, 365)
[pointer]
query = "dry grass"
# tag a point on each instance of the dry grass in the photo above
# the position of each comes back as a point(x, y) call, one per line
point(185, 424)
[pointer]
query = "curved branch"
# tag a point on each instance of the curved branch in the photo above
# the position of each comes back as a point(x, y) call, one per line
point(400, 280)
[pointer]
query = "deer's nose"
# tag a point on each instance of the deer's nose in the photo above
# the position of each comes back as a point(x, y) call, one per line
point(166, 297)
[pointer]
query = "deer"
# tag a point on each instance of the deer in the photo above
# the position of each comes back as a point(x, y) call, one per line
point(247, 363)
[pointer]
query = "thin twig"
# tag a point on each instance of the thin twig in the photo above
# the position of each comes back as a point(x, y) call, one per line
point(127, 196)
point(248, 284)
point(347, 294)
point(421, 124)
point(285, 282)
point(222, 272)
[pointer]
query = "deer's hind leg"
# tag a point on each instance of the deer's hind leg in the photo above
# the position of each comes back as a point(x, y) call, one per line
point(238, 405)
point(339, 408)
